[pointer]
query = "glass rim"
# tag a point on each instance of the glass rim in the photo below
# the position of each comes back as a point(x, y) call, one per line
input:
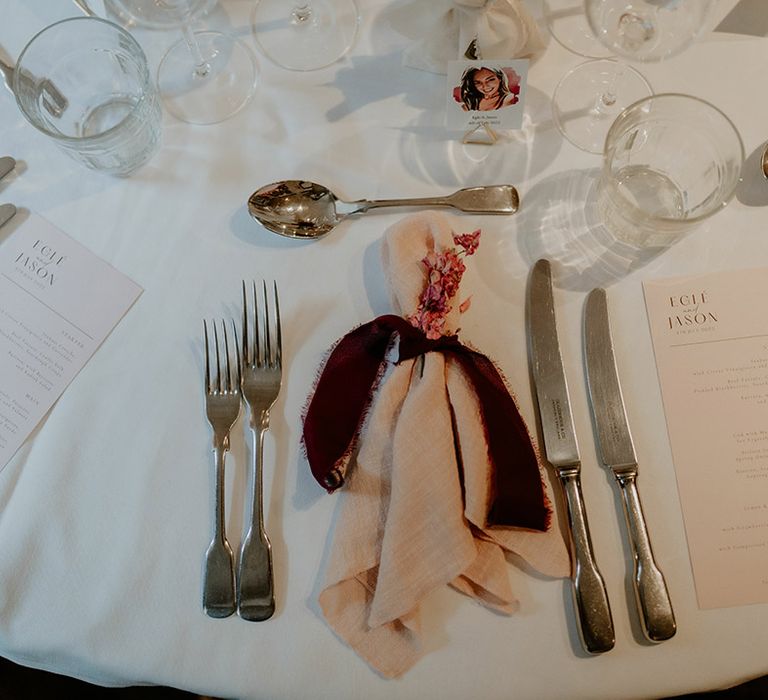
point(729, 122)
point(82, 139)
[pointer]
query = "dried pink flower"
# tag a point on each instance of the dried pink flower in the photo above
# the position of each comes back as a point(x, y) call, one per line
point(443, 275)
point(468, 241)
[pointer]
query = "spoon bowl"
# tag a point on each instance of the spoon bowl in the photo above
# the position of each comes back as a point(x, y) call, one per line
point(295, 208)
point(303, 209)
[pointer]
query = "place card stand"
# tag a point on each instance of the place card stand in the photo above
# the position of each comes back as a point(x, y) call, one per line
point(482, 134)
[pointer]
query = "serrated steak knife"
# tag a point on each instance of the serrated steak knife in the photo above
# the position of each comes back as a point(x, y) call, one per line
point(617, 452)
point(553, 403)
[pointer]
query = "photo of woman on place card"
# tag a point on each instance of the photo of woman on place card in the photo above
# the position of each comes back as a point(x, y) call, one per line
point(486, 92)
point(486, 89)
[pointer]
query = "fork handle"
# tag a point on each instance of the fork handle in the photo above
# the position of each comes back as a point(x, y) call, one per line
point(256, 595)
point(219, 577)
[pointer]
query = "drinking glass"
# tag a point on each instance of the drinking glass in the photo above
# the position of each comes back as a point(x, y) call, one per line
point(591, 95)
point(207, 76)
point(111, 119)
point(670, 162)
point(305, 34)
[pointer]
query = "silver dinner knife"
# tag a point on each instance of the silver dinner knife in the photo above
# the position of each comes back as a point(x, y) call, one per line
point(617, 453)
point(553, 403)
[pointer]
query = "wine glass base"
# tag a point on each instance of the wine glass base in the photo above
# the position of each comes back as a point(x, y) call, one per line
point(579, 105)
point(305, 34)
point(151, 14)
point(568, 26)
point(212, 94)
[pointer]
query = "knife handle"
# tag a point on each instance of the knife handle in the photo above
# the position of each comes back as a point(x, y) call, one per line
point(590, 596)
point(651, 592)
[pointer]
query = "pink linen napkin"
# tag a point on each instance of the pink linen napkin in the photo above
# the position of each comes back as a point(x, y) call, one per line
point(501, 28)
point(421, 503)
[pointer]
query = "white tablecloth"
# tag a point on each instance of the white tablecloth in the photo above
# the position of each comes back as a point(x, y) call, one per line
point(105, 512)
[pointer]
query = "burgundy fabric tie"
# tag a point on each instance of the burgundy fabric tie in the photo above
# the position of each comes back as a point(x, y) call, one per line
point(345, 390)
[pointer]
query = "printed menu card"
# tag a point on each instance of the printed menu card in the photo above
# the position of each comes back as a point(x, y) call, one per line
point(710, 337)
point(58, 302)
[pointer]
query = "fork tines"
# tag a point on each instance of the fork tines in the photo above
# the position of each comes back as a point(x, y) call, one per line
point(262, 337)
point(231, 372)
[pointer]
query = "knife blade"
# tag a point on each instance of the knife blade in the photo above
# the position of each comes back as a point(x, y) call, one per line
point(593, 610)
point(6, 165)
point(617, 452)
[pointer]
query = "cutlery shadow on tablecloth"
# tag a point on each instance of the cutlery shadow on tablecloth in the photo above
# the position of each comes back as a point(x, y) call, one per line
point(558, 220)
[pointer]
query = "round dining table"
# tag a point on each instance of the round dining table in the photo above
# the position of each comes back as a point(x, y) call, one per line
point(106, 509)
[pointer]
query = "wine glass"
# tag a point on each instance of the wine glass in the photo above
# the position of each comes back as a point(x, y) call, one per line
point(206, 77)
point(590, 96)
point(568, 26)
point(305, 35)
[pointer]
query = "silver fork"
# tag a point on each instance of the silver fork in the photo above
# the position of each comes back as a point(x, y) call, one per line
point(261, 379)
point(222, 406)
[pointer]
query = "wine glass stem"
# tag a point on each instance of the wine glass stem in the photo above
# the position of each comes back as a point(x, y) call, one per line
point(608, 97)
point(301, 13)
point(202, 68)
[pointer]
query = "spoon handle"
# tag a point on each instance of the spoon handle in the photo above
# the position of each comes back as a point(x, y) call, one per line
point(495, 199)
point(362, 205)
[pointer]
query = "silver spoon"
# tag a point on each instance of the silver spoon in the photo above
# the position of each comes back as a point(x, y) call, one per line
point(301, 209)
